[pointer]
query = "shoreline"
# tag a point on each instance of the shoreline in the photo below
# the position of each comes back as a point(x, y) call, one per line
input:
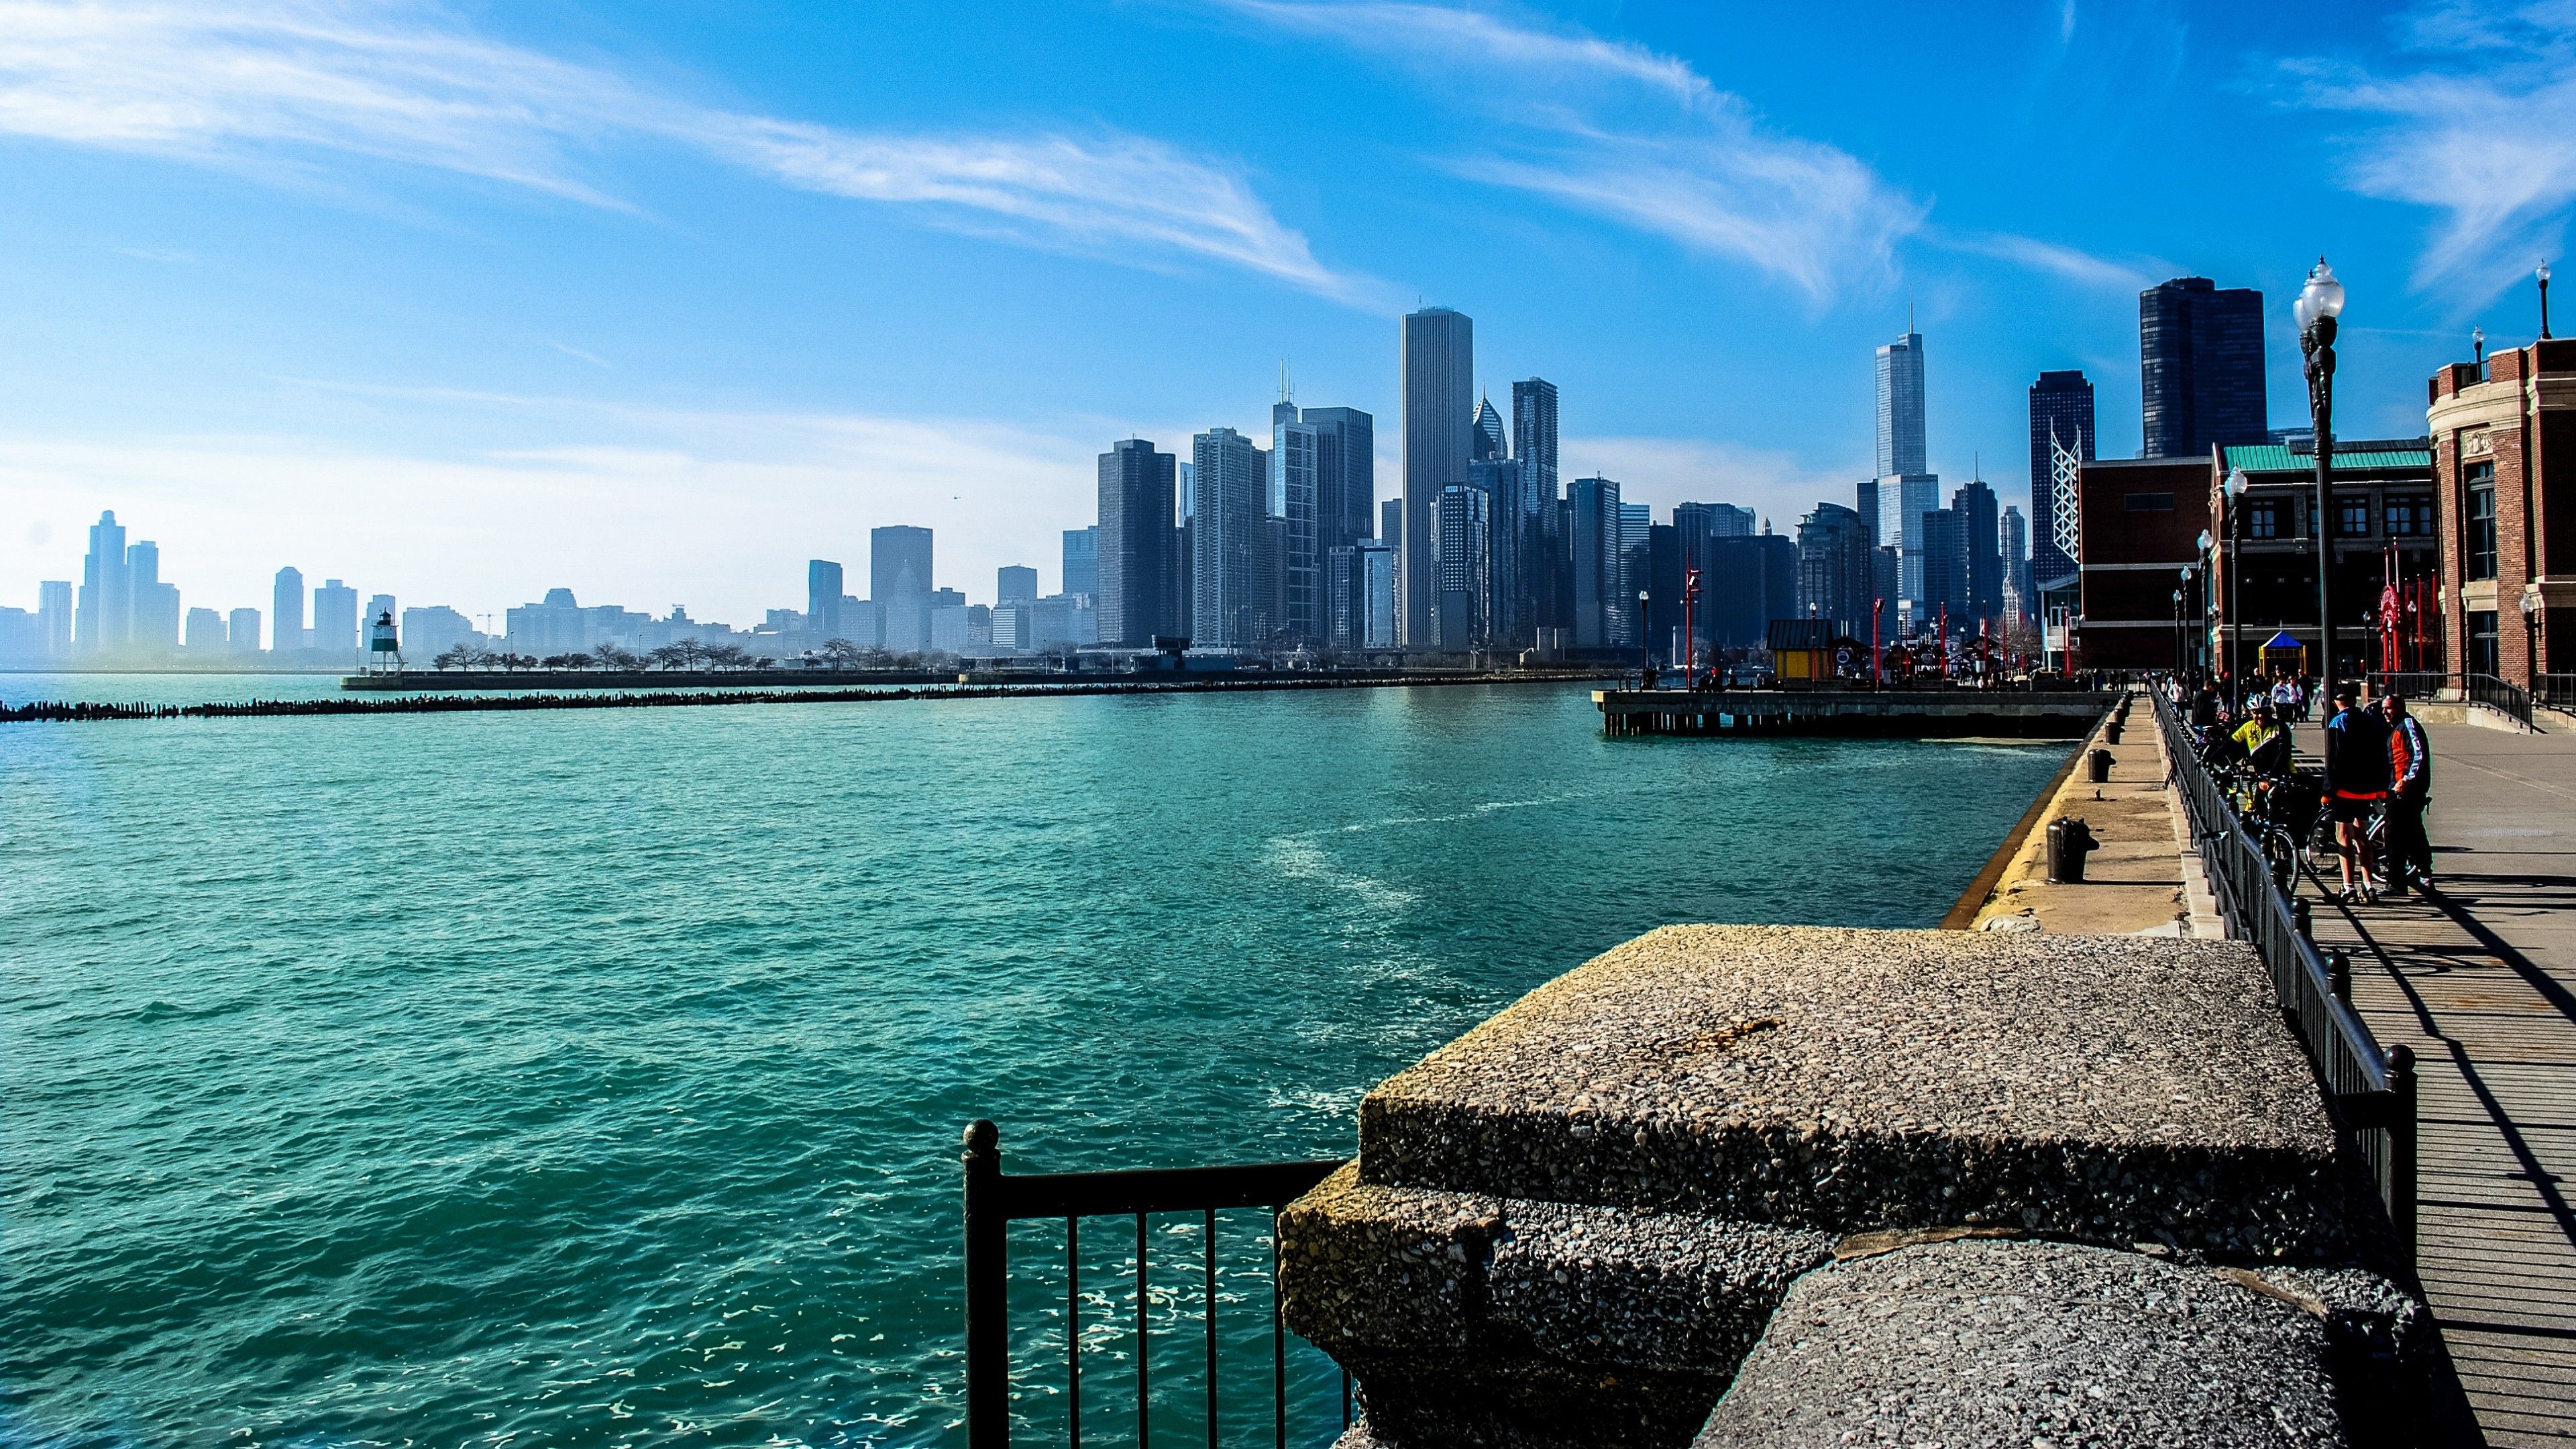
point(57, 712)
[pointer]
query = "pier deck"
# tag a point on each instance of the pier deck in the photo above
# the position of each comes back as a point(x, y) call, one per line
point(1903, 713)
point(2481, 982)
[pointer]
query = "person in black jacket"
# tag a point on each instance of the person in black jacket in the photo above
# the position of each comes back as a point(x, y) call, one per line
point(2357, 780)
point(2410, 764)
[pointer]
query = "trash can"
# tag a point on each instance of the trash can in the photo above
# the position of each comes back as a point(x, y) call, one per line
point(2069, 840)
point(2097, 766)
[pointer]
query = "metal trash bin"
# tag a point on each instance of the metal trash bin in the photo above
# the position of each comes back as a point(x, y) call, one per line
point(2069, 841)
point(2097, 767)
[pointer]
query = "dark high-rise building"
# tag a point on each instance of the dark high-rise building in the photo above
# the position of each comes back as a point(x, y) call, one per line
point(1945, 570)
point(823, 598)
point(1534, 433)
point(2061, 423)
point(1345, 476)
point(2016, 551)
point(1438, 367)
point(1747, 583)
point(1975, 503)
point(1224, 538)
point(2200, 368)
point(1511, 507)
point(1486, 438)
point(1082, 560)
point(899, 563)
point(1390, 525)
point(1834, 566)
point(1137, 544)
point(1462, 531)
point(1594, 563)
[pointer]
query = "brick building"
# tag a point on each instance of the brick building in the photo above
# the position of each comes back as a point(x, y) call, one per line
point(2383, 505)
point(2138, 524)
point(2504, 453)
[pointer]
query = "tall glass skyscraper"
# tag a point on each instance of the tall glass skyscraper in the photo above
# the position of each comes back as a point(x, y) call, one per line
point(1223, 538)
point(2200, 368)
point(1438, 367)
point(107, 593)
point(1345, 476)
point(2061, 407)
point(1900, 405)
point(1137, 544)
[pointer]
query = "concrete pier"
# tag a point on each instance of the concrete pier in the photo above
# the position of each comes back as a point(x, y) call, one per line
point(1900, 713)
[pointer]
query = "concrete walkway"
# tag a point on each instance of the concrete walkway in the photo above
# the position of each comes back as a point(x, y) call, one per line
point(2145, 880)
point(2481, 982)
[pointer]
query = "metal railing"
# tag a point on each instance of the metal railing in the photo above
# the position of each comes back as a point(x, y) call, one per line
point(2372, 1093)
point(2417, 684)
point(995, 1199)
point(2558, 691)
point(2495, 693)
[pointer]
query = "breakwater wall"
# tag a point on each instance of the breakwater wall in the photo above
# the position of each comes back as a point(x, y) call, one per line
point(52, 712)
point(1787, 1186)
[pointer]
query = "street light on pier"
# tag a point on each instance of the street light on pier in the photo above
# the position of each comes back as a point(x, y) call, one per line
point(2320, 303)
point(2235, 487)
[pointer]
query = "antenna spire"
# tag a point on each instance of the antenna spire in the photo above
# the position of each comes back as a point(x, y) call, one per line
point(1909, 311)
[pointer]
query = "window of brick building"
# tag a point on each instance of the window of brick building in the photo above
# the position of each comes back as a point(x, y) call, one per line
point(2352, 518)
point(2410, 517)
point(2263, 520)
point(2482, 520)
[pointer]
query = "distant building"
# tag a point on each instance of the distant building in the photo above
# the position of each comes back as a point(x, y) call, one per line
point(1946, 571)
point(823, 596)
point(1486, 435)
point(553, 625)
point(1138, 545)
point(54, 617)
point(154, 623)
point(1903, 499)
point(899, 563)
point(1462, 531)
point(1438, 382)
point(241, 631)
point(2141, 519)
point(1900, 406)
point(335, 617)
point(1534, 433)
point(1511, 508)
point(1391, 525)
point(1082, 560)
point(1224, 603)
point(286, 631)
point(1833, 565)
point(2386, 494)
point(1015, 584)
point(952, 627)
point(1744, 585)
point(2015, 545)
point(1295, 451)
point(22, 639)
point(1982, 544)
point(430, 632)
point(1362, 585)
point(2061, 432)
point(1345, 475)
point(1698, 523)
point(2200, 368)
point(106, 597)
point(205, 631)
point(1592, 508)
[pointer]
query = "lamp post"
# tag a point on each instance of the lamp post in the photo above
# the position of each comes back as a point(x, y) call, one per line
point(2543, 274)
point(2530, 604)
point(2320, 303)
point(2178, 661)
point(1876, 671)
point(2191, 654)
point(1645, 641)
point(2235, 565)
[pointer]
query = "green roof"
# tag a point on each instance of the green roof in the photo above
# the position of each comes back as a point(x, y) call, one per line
point(2274, 458)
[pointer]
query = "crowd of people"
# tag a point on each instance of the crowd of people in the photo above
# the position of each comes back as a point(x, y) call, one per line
point(2377, 774)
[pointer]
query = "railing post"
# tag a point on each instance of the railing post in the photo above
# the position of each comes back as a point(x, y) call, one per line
point(2339, 975)
point(2401, 1147)
point(2301, 919)
point(988, 1345)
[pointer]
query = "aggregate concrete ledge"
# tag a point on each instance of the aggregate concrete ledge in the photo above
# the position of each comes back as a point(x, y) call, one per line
point(2046, 1345)
point(2106, 1089)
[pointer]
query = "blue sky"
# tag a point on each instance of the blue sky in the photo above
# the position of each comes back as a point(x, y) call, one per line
point(658, 300)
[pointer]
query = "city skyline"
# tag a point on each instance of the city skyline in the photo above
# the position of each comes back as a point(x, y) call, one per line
point(647, 308)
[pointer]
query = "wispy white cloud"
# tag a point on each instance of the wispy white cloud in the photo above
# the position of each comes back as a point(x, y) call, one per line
point(2480, 126)
point(1621, 131)
point(283, 85)
point(2082, 268)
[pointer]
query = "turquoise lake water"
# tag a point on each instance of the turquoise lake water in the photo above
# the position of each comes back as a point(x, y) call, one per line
point(597, 1078)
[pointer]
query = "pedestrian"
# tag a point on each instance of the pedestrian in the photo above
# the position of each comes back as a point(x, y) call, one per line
point(2266, 744)
point(2357, 781)
point(2410, 764)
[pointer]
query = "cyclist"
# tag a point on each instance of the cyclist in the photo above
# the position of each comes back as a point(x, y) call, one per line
point(2410, 764)
point(2266, 744)
point(2357, 781)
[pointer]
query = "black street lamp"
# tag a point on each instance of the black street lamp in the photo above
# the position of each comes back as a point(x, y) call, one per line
point(2319, 304)
point(2191, 652)
point(2235, 487)
point(2179, 667)
point(1645, 641)
point(2544, 298)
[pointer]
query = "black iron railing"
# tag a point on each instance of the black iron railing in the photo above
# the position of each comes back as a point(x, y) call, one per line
point(2495, 693)
point(2372, 1092)
point(994, 1199)
point(2558, 691)
point(2414, 684)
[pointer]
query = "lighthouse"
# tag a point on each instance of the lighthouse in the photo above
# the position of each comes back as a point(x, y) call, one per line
point(384, 650)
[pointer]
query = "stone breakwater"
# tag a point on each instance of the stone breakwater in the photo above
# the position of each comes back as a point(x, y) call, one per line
point(1839, 1186)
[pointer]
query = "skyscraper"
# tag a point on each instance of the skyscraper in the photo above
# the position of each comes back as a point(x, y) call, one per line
point(1296, 492)
point(335, 617)
point(1745, 583)
point(286, 611)
point(1462, 530)
point(1224, 537)
point(1534, 433)
point(1592, 508)
point(205, 631)
point(1636, 534)
point(106, 596)
point(2061, 409)
point(1082, 560)
point(2016, 549)
point(1345, 476)
point(1900, 404)
point(1136, 543)
point(1486, 438)
point(1834, 565)
point(1511, 509)
point(1015, 584)
point(153, 617)
point(823, 588)
point(2200, 368)
point(1945, 569)
point(1902, 501)
point(1438, 367)
point(54, 616)
point(241, 631)
point(1974, 502)
point(899, 584)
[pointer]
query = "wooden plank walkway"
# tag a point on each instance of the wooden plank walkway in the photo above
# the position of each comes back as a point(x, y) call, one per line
point(2481, 982)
